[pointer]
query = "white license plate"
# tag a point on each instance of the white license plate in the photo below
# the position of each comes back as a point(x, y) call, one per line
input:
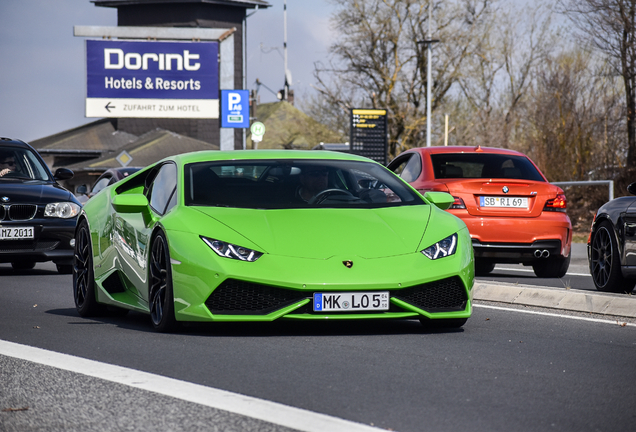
point(351, 301)
point(16, 233)
point(513, 202)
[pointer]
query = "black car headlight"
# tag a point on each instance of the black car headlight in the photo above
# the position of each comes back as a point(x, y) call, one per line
point(64, 210)
point(442, 248)
point(229, 250)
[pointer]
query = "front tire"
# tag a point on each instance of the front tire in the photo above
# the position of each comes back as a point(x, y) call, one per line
point(555, 267)
point(605, 265)
point(160, 295)
point(83, 278)
point(64, 268)
point(23, 265)
point(483, 267)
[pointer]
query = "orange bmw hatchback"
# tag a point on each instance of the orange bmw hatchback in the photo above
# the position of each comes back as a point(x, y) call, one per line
point(513, 213)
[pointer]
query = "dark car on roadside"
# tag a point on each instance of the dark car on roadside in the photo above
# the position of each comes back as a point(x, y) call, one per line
point(109, 177)
point(37, 215)
point(611, 246)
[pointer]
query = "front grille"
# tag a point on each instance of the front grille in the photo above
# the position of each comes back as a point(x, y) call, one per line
point(2, 212)
point(234, 297)
point(446, 295)
point(20, 212)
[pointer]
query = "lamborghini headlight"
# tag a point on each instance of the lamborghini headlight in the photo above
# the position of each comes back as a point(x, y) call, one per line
point(64, 210)
point(229, 250)
point(442, 248)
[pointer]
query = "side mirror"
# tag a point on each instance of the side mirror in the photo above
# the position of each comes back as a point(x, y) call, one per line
point(632, 188)
point(81, 190)
point(130, 203)
point(63, 174)
point(442, 200)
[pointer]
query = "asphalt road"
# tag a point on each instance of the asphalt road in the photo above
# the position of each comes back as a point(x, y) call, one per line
point(505, 370)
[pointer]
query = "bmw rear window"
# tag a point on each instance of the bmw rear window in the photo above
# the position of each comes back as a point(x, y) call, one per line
point(484, 165)
point(282, 184)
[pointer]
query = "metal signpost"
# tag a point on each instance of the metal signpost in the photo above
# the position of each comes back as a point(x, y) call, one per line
point(368, 136)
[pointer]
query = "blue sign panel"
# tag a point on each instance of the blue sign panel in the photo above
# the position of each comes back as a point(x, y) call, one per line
point(133, 78)
point(235, 108)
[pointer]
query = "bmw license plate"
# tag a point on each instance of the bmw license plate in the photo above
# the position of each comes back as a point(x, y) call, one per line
point(512, 202)
point(16, 233)
point(351, 301)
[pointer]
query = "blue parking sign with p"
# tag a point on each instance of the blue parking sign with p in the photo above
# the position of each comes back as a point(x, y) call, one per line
point(235, 109)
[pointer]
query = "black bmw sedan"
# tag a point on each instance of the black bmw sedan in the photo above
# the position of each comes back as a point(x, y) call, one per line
point(37, 215)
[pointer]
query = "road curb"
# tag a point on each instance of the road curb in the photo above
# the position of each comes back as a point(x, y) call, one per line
point(623, 305)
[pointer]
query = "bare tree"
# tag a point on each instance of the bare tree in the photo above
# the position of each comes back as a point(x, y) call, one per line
point(378, 60)
point(610, 27)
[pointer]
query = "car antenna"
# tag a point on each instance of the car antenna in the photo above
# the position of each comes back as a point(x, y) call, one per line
point(478, 148)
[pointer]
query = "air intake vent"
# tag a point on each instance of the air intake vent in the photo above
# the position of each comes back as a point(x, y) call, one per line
point(235, 297)
point(446, 295)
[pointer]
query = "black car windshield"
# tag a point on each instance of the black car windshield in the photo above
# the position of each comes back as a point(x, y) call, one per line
point(484, 165)
point(283, 184)
point(18, 163)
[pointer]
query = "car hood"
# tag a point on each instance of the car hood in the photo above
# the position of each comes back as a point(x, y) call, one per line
point(36, 192)
point(324, 233)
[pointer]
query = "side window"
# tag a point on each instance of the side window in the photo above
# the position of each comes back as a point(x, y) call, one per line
point(101, 184)
point(408, 168)
point(163, 189)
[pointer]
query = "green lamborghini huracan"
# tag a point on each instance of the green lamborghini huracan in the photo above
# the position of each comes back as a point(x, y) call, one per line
point(268, 235)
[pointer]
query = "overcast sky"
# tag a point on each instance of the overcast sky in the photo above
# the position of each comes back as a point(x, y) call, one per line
point(42, 66)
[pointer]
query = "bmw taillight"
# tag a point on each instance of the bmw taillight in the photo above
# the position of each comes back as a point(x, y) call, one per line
point(458, 204)
point(556, 204)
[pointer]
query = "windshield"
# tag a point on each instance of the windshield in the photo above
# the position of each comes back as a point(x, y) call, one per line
point(21, 164)
point(484, 165)
point(282, 184)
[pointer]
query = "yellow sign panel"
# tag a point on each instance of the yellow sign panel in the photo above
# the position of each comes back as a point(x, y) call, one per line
point(375, 112)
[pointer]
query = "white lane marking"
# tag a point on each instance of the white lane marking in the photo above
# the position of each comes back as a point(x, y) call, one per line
point(615, 322)
point(272, 412)
point(532, 271)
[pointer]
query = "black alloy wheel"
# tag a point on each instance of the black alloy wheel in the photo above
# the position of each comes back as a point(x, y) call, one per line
point(64, 268)
point(483, 267)
point(605, 265)
point(83, 280)
point(553, 267)
point(23, 265)
point(160, 297)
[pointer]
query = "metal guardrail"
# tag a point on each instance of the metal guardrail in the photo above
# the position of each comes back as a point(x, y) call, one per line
point(590, 183)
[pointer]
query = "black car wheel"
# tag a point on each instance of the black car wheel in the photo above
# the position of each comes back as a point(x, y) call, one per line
point(83, 280)
point(553, 267)
point(64, 268)
point(23, 265)
point(160, 297)
point(483, 267)
point(605, 265)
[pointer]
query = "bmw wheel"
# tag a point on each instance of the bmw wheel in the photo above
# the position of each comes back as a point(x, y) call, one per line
point(605, 265)
point(551, 267)
point(83, 279)
point(160, 296)
point(23, 265)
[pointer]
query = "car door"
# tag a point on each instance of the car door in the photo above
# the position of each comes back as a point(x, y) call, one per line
point(133, 230)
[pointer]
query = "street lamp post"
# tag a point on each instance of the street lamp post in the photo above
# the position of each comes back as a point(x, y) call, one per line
point(429, 41)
